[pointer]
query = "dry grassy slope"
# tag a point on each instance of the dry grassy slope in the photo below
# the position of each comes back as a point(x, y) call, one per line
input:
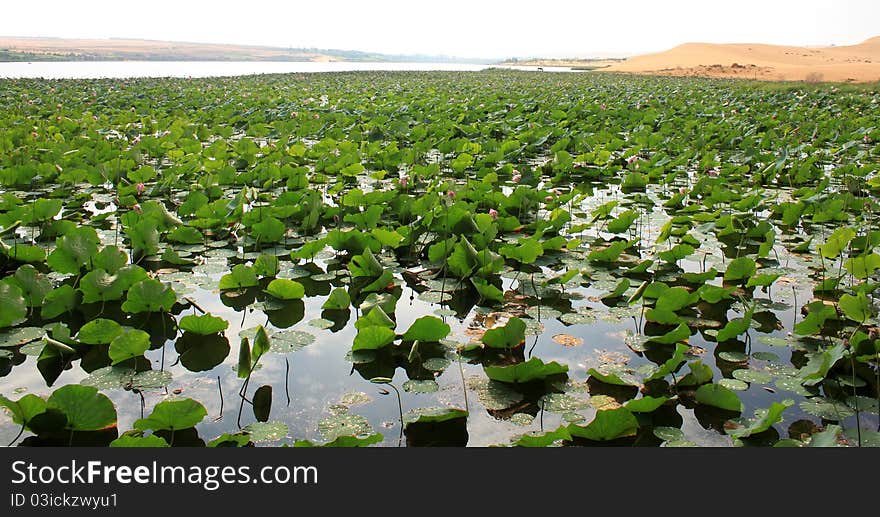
point(859, 63)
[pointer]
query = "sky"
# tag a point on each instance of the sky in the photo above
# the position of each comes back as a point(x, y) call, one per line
point(463, 28)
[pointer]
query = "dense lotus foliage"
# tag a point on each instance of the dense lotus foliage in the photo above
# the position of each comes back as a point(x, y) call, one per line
point(490, 258)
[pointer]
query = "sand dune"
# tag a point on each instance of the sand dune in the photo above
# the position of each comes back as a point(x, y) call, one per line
point(854, 63)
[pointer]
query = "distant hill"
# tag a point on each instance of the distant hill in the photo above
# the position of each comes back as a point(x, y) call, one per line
point(851, 63)
point(119, 49)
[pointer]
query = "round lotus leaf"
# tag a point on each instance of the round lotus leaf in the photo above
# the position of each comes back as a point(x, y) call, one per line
point(562, 403)
point(447, 285)
point(864, 404)
point(294, 273)
point(20, 336)
point(287, 341)
point(543, 312)
point(733, 357)
point(680, 443)
point(567, 340)
point(827, 409)
point(533, 327)
point(85, 408)
point(436, 364)
point(266, 431)
point(668, 434)
point(435, 297)
point(603, 402)
point(573, 418)
point(321, 323)
point(344, 424)
point(522, 419)
point(353, 399)
point(211, 268)
point(173, 415)
point(578, 318)
point(734, 384)
point(765, 356)
point(219, 253)
point(793, 385)
point(752, 376)
point(775, 341)
point(420, 386)
point(494, 395)
point(33, 348)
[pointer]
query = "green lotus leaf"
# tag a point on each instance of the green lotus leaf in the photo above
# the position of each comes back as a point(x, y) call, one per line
point(531, 370)
point(511, 335)
point(203, 325)
point(149, 295)
point(607, 425)
point(240, 277)
point(285, 289)
point(84, 407)
point(13, 307)
point(718, 396)
point(338, 300)
point(99, 331)
point(149, 441)
point(740, 269)
point(373, 337)
point(128, 345)
point(427, 329)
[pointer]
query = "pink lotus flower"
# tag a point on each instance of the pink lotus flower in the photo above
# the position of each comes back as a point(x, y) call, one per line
point(136, 207)
point(632, 159)
point(294, 114)
point(548, 199)
point(713, 173)
point(603, 107)
point(867, 139)
point(140, 188)
point(450, 194)
point(493, 213)
point(404, 179)
point(316, 116)
point(516, 176)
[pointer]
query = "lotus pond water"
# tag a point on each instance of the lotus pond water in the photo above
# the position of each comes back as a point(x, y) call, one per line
point(438, 258)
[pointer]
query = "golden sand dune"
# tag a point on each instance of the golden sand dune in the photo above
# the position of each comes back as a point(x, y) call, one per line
point(853, 63)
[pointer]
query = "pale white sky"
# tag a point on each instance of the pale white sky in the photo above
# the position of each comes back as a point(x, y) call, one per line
point(466, 28)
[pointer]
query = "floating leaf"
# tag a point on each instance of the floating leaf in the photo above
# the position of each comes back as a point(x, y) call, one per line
point(85, 408)
point(13, 308)
point(533, 369)
point(99, 332)
point(427, 329)
point(607, 425)
point(373, 337)
point(149, 296)
point(266, 431)
point(418, 386)
point(173, 415)
point(203, 325)
point(508, 336)
point(285, 289)
point(344, 424)
point(718, 396)
point(128, 345)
